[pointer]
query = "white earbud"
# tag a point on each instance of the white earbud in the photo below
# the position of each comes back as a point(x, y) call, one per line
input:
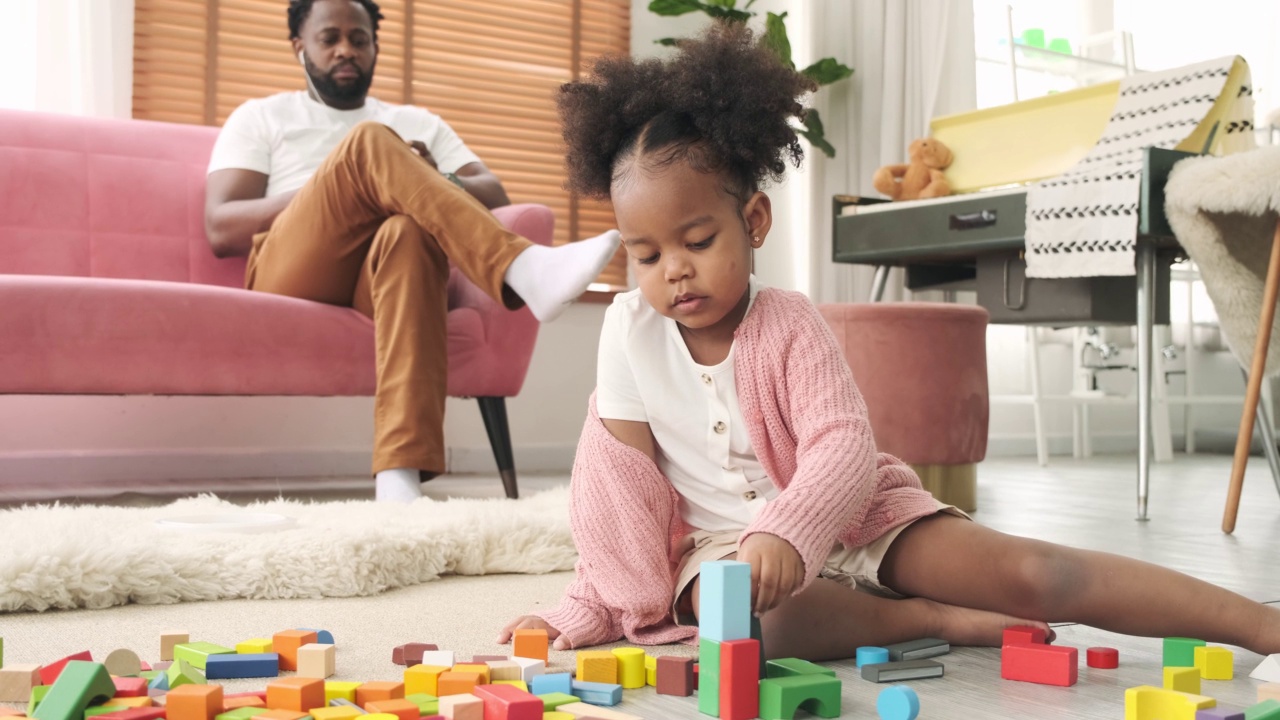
point(301, 61)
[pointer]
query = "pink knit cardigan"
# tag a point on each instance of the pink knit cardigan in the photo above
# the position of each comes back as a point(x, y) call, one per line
point(808, 426)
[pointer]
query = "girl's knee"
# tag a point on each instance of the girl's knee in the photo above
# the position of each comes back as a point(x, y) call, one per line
point(1042, 579)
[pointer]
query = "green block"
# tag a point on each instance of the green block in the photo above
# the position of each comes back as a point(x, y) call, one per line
point(80, 685)
point(551, 701)
point(709, 677)
point(37, 694)
point(1181, 652)
point(1265, 710)
point(788, 667)
point(427, 704)
point(244, 713)
point(95, 710)
point(781, 697)
point(197, 653)
point(182, 672)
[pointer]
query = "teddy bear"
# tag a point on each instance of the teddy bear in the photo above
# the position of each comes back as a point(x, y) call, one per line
point(921, 177)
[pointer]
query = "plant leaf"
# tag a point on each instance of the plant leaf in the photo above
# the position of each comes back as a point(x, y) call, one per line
point(667, 42)
point(749, 4)
point(674, 7)
point(815, 133)
point(729, 14)
point(727, 4)
point(827, 70)
point(775, 38)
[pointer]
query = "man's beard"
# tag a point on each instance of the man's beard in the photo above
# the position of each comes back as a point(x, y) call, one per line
point(326, 86)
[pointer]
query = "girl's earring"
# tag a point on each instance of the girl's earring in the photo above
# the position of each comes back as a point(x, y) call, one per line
point(755, 242)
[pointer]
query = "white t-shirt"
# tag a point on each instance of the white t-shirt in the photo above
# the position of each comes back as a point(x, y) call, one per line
point(646, 374)
point(287, 135)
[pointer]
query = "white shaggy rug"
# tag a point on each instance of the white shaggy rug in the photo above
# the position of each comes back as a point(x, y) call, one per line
point(95, 557)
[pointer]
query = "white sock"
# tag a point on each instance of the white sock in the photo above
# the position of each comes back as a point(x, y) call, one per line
point(549, 278)
point(398, 485)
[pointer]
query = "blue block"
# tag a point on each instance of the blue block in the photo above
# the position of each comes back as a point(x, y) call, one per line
point(248, 665)
point(323, 637)
point(159, 682)
point(552, 683)
point(898, 702)
point(594, 693)
point(724, 602)
point(868, 655)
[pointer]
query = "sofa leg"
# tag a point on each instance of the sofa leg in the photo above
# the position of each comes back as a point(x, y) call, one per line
point(494, 412)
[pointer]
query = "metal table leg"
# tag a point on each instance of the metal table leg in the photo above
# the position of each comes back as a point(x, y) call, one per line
point(1145, 258)
point(878, 283)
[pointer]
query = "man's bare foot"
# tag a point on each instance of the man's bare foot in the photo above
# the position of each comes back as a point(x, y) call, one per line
point(966, 626)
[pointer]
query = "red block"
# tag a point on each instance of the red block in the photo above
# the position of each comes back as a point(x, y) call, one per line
point(49, 673)
point(142, 713)
point(1037, 663)
point(1023, 634)
point(1103, 657)
point(130, 687)
point(739, 679)
point(505, 702)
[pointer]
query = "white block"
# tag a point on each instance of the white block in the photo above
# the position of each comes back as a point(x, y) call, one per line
point(529, 668)
point(442, 658)
point(1268, 670)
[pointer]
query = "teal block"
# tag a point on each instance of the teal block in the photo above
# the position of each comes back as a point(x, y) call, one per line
point(79, 685)
point(1265, 710)
point(781, 697)
point(594, 693)
point(1181, 652)
point(898, 702)
point(197, 653)
point(708, 676)
point(551, 683)
point(724, 600)
point(159, 682)
point(787, 667)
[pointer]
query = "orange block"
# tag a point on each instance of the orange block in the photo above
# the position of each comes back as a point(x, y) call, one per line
point(286, 643)
point(244, 701)
point(530, 643)
point(457, 683)
point(402, 709)
point(194, 702)
point(295, 693)
point(474, 668)
point(382, 690)
point(11, 713)
point(280, 715)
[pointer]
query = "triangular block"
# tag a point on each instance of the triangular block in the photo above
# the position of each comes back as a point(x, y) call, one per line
point(1268, 670)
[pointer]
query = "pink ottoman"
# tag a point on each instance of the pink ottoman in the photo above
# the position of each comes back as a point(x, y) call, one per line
point(922, 369)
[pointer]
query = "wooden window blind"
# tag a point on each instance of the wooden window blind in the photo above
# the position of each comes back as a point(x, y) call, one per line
point(490, 71)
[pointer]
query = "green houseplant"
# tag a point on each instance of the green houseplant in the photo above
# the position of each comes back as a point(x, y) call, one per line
point(823, 72)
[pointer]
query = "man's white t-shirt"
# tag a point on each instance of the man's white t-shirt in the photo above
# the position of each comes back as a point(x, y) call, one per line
point(646, 374)
point(286, 136)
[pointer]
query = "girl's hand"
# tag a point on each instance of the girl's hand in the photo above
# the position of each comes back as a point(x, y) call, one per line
point(533, 622)
point(776, 570)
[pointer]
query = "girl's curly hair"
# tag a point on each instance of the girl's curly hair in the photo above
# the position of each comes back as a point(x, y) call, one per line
point(723, 104)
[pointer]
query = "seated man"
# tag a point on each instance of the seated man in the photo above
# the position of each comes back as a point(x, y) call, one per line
point(341, 198)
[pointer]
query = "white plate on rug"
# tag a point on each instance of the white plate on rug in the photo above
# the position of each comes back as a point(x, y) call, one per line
point(228, 522)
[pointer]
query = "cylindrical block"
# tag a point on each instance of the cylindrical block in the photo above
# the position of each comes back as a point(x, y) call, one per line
point(631, 673)
point(898, 702)
point(1103, 657)
point(868, 655)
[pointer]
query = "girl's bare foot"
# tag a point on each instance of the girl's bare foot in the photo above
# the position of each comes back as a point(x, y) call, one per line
point(966, 626)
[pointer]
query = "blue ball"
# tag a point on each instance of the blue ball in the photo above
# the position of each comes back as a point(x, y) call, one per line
point(869, 655)
point(898, 702)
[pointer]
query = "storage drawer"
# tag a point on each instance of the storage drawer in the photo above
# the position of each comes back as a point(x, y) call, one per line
point(1011, 297)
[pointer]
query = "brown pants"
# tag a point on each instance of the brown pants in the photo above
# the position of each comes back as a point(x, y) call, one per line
point(375, 229)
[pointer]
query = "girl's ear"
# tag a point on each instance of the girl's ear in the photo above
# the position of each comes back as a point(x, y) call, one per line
point(758, 214)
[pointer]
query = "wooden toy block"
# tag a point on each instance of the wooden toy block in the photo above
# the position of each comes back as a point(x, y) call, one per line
point(1037, 663)
point(343, 690)
point(1023, 634)
point(1152, 703)
point(486, 659)
point(503, 702)
point(503, 670)
point(869, 655)
point(552, 683)
point(708, 676)
point(324, 637)
point(130, 686)
point(1268, 670)
point(49, 673)
point(675, 676)
point(280, 715)
point(296, 693)
point(899, 671)
point(197, 653)
point(79, 685)
point(1181, 652)
point(1104, 658)
point(255, 646)
point(123, 663)
point(170, 639)
point(421, 679)
point(426, 702)
point(1219, 713)
point(739, 679)
point(1185, 680)
point(552, 701)
point(443, 658)
point(193, 702)
point(529, 668)
point(316, 660)
point(147, 713)
point(786, 667)
point(819, 694)
point(260, 694)
point(377, 716)
point(1215, 663)
point(517, 684)
point(553, 715)
point(244, 713)
point(918, 649)
point(335, 712)
point(183, 673)
point(247, 665)
point(481, 669)
point(462, 707)
point(286, 643)
point(597, 666)
point(898, 702)
point(1268, 691)
point(11, 713)
point(129, 702)
point(161, 665)
point(724, 602)
point(1265, 710)
point(630, 667)
point(457, 683)
point(402, 709)
point(37, 694)
point(530, 643)
point(379, 690)
point(237, 703)
point(650, 670)
point(605, 694)
point(582, 711)
point(410, 654)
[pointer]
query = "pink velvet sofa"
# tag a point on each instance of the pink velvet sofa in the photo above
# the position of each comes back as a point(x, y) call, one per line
point(108, 285)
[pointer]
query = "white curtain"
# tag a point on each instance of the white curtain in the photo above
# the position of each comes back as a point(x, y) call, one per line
point(912, 60)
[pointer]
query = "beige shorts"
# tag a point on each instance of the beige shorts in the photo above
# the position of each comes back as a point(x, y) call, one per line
point(857, 567)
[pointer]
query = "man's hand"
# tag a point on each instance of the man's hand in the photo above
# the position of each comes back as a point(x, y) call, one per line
point(776, 570)
point(533, 622)
point(421, 148)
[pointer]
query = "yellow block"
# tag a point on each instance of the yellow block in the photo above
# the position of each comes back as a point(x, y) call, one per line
point(631, 674)
point(337, 712)
point(482, 669)
point(554, 715)
point(254, 646)
point(1184, 680)
point(1152, 703)
point(341, 691)
point(598, 666)
point(422, 679)
point(1215, 663)
point(520, 684)
point(129, 702)
point(650, 670)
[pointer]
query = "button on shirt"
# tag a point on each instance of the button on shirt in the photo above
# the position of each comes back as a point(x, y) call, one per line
point(646, 374)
